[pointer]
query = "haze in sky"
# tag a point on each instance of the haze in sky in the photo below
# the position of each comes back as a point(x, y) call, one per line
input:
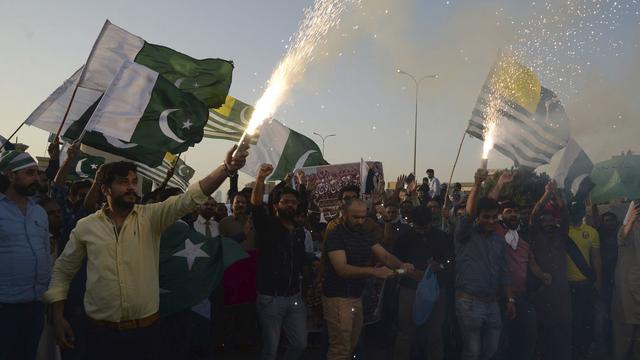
point(589, 57)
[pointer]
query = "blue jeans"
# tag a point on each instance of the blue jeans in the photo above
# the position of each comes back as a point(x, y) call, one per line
point(286, 313)
point(480, 325)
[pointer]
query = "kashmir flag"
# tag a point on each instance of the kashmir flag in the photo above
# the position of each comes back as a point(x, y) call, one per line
point(531, 123)
point(84, 166)
point(144, 108)
point(228, 121)
point(192, 266)
point(181, 176)
point(285, 149)
point(207, 79)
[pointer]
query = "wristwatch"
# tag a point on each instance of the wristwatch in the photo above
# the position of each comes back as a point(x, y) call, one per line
point(511, 300)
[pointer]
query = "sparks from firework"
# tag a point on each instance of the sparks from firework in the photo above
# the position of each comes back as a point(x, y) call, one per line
point(322, 17)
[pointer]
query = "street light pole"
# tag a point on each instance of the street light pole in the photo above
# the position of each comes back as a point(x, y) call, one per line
point(415, 123)
point(323, 139)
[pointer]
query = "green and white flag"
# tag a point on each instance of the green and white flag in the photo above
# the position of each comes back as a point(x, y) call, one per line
point(111, 145)
point(192, 266)
point(144, 108)
point(207, 79)
point(84, 166)
point(284, 148)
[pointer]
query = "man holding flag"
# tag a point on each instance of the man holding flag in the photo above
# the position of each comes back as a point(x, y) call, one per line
point(121, 243)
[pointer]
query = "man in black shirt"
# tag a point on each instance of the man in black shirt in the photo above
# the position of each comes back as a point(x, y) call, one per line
point(422, 246)
point(349, 249)
point(280, 258)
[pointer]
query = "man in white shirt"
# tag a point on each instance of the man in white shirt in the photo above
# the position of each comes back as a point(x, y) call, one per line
point(434, 184)
point(206, 224)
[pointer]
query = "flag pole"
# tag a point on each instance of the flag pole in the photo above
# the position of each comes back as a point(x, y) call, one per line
point(446, 195)
point(82, 75)
point(12, 135)
point(169, 172)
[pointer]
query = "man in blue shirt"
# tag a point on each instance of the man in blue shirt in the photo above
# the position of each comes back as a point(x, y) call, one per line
point(24, 255)
point(481, 270)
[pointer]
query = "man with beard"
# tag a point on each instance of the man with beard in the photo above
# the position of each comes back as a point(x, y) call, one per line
point(519, 338)
point(121, 243)
point(552, 301)
point(281, 255)
point(393, 227)
point(350, 249)
point(24, 254)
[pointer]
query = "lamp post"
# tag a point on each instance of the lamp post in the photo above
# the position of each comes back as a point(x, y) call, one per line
point(323, 139)
point(415, 125)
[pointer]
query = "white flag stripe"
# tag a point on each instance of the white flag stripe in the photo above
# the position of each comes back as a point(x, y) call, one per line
point(221, 122)
point(547, 132)
point(221, 127)
point(112, 48)
point(569, 156)
point(124, 102)
point(48, 115)
point(516, 136)
point(515, 139)
point(510, 147)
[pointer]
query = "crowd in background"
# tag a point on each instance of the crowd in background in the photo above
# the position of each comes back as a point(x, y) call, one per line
point(80, 265)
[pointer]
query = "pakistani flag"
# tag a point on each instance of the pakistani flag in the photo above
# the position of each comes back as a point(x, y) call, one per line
point(192, 266)
point(144, 108)
point(284, 148)
point(207, 79)
point(111, 145)
point(84, 166)
point(181, 176)
point(574, 168)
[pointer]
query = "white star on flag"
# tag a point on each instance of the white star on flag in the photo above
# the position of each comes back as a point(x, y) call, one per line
point(94, 166)
point(191, 252)
point(187, 124)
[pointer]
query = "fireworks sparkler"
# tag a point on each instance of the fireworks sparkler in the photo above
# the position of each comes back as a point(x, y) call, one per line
point(318, 20)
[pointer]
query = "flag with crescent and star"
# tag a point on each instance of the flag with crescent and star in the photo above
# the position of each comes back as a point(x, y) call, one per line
point(208, 80)
point(111, 145)
point(192, 266)
point(229, 121)
point(84, 166)
point(183, 172)
point(144, 108)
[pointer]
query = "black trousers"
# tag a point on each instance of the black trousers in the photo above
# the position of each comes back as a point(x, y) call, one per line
point(582, 294)
point(20, 329)
point(135, 344)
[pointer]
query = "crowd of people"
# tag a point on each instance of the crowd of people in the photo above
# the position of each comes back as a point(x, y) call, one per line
point(80, 268)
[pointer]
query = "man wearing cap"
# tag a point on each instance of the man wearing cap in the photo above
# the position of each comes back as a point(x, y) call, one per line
point(24, 255)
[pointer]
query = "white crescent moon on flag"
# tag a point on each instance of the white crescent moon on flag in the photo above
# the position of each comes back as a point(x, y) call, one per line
point(575, 185)
point(118, 143)
point(180, 171)
point(303, 159)
point(79, 169)
point(243, 118)
point(178, 82)
point(164, 126)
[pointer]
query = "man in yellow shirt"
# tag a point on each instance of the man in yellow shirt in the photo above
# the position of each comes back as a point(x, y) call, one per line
point(121, 243)
point(584, 272)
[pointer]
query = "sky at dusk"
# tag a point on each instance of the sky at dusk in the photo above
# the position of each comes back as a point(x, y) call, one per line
point(588, 52)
